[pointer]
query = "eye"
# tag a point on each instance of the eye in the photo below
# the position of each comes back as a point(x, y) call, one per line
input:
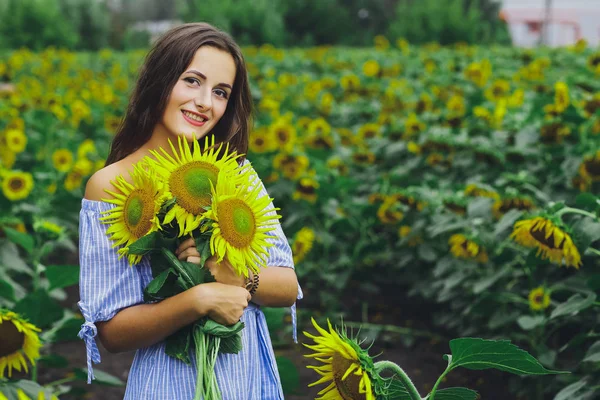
point(189, 79)
point(223, 93)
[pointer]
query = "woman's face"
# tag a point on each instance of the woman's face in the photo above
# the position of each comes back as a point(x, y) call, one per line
point(200, 95)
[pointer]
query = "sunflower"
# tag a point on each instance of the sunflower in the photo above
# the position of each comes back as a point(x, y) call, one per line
point(539, 299)
point(463, 247)
point(371, 68)
point(306, 188)
point(502, 206)
point(550, 238)
point(137, 207)
point(369, 131)
point(412, 126)
point(86, 149)
point(390, 212)
point(284, 134)
point(350, 82)
point(261, 141)
point(188, 175)
point(17, 185)
point(337, 164)
point(62, 160)
point(561, 96)
point(16, 140)
point(240, 224)
point(346, 365)
point(19, 340)
point(589, 169)
point(475, 190)
point(48, 228)
point(292, 166)
point(363, 156)
point(498, 90)
point(554, 133)
point(303, 243)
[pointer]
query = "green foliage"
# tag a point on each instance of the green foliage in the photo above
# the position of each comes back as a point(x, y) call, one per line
point(457, 21)
point(36, 24)
point(249, 22)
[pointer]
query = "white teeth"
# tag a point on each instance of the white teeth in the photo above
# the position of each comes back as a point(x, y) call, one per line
point(194, 116)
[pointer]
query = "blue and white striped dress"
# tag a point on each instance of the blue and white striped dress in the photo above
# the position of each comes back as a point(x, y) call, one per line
point(108, 285)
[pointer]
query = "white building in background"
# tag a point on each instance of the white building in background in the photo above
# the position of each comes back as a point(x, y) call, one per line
point(569, 21)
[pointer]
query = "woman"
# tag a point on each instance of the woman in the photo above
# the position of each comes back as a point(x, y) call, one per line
point(193, 83)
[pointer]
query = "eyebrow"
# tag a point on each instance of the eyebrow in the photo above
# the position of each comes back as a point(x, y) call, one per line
point(201, 75)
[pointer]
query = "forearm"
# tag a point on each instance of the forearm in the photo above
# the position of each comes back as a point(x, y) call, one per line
point(144, 325)
point(278, 287)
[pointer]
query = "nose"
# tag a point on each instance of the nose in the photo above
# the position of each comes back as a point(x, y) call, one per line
point(203, 100)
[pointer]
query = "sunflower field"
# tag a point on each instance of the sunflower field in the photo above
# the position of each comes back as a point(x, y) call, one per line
point(459, 176)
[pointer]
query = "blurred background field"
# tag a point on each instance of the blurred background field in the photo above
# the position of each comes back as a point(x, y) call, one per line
point(412, 146)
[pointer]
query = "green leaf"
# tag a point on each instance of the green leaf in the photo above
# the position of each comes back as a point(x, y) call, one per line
point(53, 361)
point(24, 240)
point(527, 322)
point(178, 344)
point(586, 201)
point(478, 354)
point(68, 330)
point(30, 388)
point(480, 207)
point(231, 344)
point(39, 308)
point(288, 373)
point(274, 317)
point(396, 391)
point(214, 328)
point(586, 231)
point(507, 221)
point(61, 276)
point(161, 287)
point(457, 393)
point(573, 305)
point(102, 378)
point(574, 392)
point(7, 291)
point(593, 353)
point(145, 244)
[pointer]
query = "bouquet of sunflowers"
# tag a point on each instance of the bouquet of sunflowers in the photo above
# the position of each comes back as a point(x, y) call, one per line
point(207, 195)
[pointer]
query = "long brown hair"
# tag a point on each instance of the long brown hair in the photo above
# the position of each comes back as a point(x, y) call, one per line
point(163, 65)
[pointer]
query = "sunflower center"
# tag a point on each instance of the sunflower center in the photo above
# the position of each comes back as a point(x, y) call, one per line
point(537, 299)
point(347, 388)
point(283, 136)
point(593, 167)
point(16, 183)
point(237, 222)
point(191, 185)
point(540, 236)
point(12, 339)
point(308, 188)
point(139, 211)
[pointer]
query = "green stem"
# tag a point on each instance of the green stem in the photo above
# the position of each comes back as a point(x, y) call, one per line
point(34, 372)
point(432, 394)
point(570, 210)
point(60, 381)
point(410, 387)
point(594, 251)
point(200, 357)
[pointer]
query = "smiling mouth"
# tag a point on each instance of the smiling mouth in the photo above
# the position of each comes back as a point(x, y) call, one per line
point(193, 116)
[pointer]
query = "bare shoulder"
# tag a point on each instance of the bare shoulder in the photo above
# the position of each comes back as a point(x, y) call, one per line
point(101, 181)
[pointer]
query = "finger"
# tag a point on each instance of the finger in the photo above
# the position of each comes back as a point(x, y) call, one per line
point(187, 253)
point(248, 296)
point(193, 259)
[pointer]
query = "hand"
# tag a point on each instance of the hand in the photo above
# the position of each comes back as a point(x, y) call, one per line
point(223, 271)
point(224, 304)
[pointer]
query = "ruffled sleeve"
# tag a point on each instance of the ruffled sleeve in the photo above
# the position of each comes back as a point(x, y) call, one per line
point(106, 284)
point(280, 254)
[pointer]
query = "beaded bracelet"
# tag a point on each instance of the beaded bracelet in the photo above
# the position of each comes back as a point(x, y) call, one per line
point(254, 284)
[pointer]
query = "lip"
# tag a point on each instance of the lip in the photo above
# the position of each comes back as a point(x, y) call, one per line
point(193, 122)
